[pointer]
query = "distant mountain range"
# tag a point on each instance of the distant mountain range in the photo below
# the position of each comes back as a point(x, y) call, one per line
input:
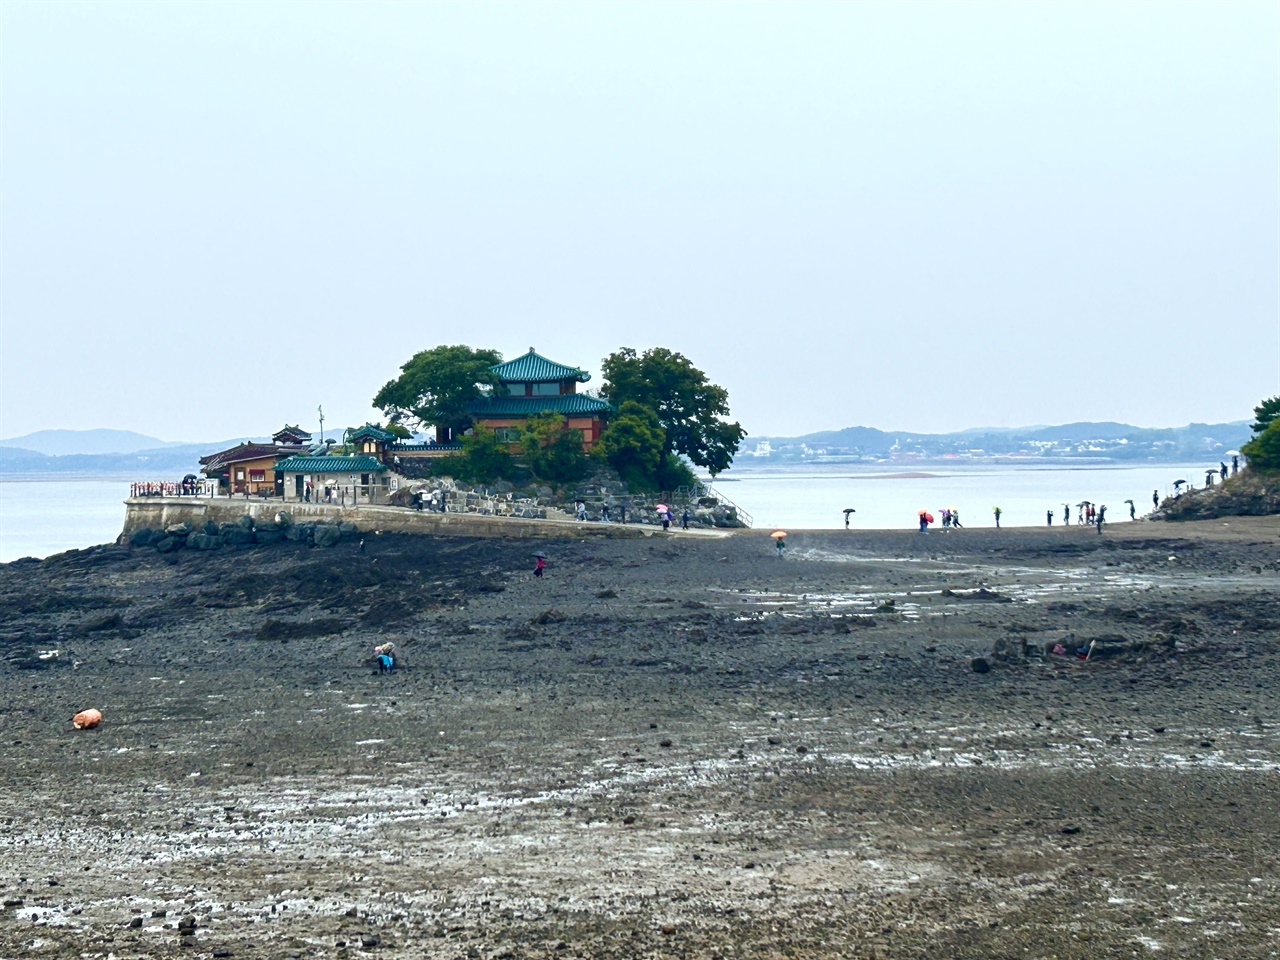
point(123, 453)
point(102, 453)
point(58, 443)
point(1071, 441)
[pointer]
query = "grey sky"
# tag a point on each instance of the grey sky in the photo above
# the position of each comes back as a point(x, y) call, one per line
point(217, 216)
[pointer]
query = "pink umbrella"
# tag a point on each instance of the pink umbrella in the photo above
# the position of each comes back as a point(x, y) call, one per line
point(660, 507)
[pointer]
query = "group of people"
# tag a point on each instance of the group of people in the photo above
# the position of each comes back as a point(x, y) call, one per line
point(950, 519)
point(1087, 513)
point(430, 500)
point(665, 515)
point(188, 487)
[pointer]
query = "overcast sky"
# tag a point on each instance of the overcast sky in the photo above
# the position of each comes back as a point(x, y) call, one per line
point(218, 216)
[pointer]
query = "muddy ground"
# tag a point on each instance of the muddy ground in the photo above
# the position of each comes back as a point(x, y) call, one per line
point(672, 747)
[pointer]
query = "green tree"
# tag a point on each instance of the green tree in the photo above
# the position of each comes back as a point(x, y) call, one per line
point(552, 452)
point(437, 386)
point(1265, 414)
point(1263, 450)
point(692, 411)
point(633, 443)
point(484, 458)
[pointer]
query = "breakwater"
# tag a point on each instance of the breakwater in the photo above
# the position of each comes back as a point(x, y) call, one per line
point(158, 513)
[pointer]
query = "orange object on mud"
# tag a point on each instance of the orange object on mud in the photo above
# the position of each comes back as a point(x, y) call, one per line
point(87, 719)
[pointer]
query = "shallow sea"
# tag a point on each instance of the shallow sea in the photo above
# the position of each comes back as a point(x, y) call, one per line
point(890, 496)
point(43, 517)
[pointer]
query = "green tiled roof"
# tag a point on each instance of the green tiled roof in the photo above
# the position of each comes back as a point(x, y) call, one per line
point(535, 368)
point(566, 405)
point(329, 465)
point(373, 433)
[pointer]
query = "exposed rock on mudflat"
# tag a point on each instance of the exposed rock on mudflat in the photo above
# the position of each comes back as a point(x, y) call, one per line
point(670, 747)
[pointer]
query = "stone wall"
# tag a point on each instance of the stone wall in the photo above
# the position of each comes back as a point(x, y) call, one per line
point(158, 513)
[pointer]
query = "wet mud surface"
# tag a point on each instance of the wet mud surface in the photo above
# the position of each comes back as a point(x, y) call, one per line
point(671, 747)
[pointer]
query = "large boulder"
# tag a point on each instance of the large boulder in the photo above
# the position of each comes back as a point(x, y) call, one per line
point(327, 535)
point(238, 536)
point(203, 541)
point(178, 529)
point(269, 536)
point(301, 532)
point(145, 537)
point(347, 528)
point(284, 519)
point(168, 544)
point(245, 522)
point(210, 528)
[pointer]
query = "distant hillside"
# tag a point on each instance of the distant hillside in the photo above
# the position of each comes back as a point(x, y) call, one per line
point(164, 463)
point(167, 463)
point(57, 443)
point(1090, 441)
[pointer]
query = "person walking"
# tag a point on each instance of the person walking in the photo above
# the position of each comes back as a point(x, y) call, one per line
point(1048, 515)
point(604, 513)
point(997, 511)
point(665, 516)
point(582, 511)
point(1066, 514)
point(1155, 499)
point(781, 545)
point(1133, 512)
point(924, 522)
point(955, 518)
point(684, 519)
point(1235, 464)
point(539, 564)
point(1222, 465)
point(1102, 516)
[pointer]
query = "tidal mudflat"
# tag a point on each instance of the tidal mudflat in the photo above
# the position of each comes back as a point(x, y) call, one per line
point(668, 747)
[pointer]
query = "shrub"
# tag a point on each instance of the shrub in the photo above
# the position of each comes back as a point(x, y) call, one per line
point(1263, 450)
point(552, 452)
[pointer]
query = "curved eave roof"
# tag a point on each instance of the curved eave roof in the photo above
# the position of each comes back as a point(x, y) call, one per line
point(330, 465)
point(569, 404)
point(374, 433)
point(535, 368)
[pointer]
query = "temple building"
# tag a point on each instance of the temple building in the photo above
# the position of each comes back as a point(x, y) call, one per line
point(250, 467)
point(532, 385)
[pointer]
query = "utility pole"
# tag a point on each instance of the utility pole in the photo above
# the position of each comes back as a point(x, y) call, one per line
point(321, 411)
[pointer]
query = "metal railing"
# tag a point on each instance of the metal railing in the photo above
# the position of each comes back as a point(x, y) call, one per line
point(695, 492)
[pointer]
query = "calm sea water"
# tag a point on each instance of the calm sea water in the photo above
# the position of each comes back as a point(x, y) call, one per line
point(889, 496)
point(43, 517)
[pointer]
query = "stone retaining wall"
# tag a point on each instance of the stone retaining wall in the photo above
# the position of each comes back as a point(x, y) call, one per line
point(160, 512)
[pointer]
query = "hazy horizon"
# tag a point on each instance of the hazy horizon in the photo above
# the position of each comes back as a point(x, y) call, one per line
point(216, 217)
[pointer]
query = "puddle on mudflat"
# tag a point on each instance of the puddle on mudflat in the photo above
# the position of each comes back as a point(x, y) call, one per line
point(763, 603)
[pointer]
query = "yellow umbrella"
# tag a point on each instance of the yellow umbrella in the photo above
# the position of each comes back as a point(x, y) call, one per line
point(778, 534)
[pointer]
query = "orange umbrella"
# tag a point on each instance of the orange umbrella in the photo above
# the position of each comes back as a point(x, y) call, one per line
point(778, 534)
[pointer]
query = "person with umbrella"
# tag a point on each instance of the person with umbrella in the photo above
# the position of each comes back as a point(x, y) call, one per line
point(664, 514)
point(780, 542)
point(926, 518)
point(539, 563)
point(996, 511)
point(847, 511)
point(1133, 512)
